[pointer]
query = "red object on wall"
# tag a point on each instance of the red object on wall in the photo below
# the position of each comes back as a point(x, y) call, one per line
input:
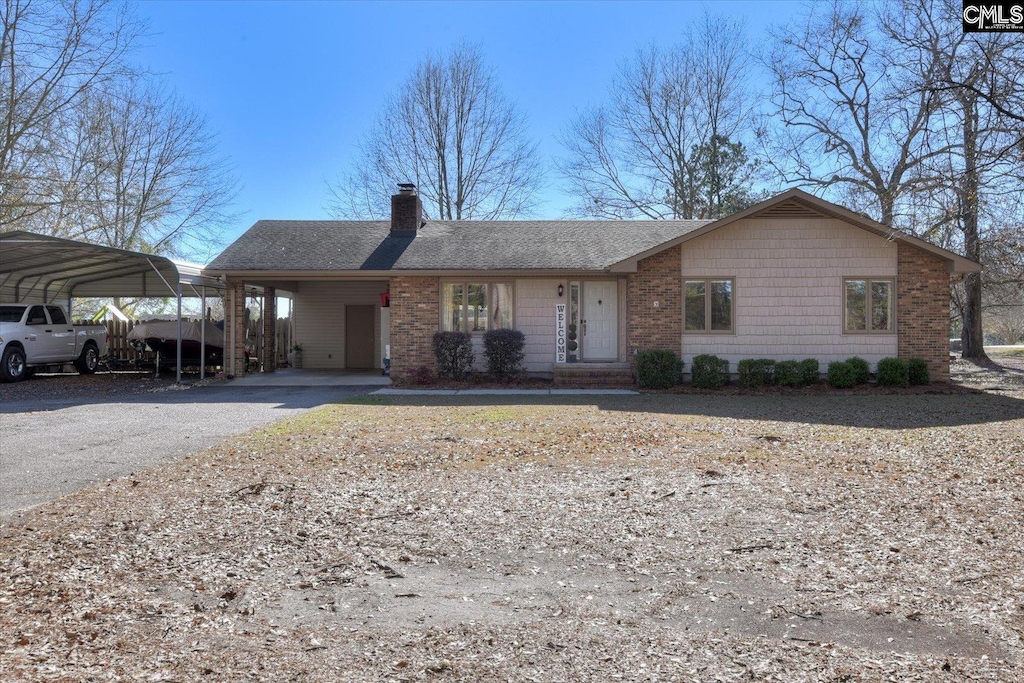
point(385, 299)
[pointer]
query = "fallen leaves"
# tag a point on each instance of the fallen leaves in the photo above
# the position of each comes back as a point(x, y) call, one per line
point(553, 541)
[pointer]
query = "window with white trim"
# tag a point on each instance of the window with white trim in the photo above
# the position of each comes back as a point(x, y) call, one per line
point(476, 306)
point(868, 305)
point(708, 305)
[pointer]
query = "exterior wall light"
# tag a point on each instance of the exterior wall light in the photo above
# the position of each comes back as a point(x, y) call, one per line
point(561, 290)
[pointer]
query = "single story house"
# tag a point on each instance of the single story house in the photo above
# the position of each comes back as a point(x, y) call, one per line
point(792, 277)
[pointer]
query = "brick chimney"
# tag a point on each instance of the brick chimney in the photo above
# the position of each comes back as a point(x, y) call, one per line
point(406, 211)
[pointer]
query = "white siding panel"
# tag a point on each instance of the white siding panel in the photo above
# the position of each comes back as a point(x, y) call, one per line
point(320, 319)
point(789, 288)
point(535, 318)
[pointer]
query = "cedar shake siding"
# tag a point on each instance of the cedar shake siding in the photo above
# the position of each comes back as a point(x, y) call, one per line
point(788, 291)
point(922, 309)
point(415, 317)
point(657, 280)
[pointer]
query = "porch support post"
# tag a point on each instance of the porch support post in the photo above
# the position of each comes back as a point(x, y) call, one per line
point(202, 334)
point(234, 329)
point(177, 367)
point(269, 353)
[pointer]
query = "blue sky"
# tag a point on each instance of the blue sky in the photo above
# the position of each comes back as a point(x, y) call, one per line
point(290, 87)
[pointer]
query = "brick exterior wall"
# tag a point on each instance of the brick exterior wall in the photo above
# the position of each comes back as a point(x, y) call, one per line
point(415, 317)
point(658, 278)
point(234, 329)
point(268, 357)
point(603, 376)
point(922, 309)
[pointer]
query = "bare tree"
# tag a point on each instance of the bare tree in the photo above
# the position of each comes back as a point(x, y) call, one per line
point(51, 55)
point(981, 167)
point(156, 186)
point(997, 75)
point(668, 144)
point(452, 131)
point(89, 152)
point(849, 117)
point(888, 108)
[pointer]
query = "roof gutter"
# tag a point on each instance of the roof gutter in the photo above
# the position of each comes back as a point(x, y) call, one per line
point(321, 275)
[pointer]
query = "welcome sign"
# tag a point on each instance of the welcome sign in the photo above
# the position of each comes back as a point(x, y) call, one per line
point(559, 333)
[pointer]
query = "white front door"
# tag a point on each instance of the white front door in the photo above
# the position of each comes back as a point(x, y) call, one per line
point(600, 320)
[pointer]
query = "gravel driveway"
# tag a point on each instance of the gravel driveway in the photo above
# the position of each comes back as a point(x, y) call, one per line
point(62, 433)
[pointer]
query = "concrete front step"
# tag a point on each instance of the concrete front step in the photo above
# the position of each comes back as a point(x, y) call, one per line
point(603, 375)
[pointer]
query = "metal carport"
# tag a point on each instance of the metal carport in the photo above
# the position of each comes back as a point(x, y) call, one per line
point(43, 269)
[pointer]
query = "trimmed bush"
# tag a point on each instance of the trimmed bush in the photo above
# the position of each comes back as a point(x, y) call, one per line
point(810, 370)
point(893, 372)
point(657, 369)
point(917, 370)
point(503, 352)
point(710, 371)
point(787, 373)
point(756, 372)
point(454, 353)
point(422, 376)
point(861, 369)
point(841, 375)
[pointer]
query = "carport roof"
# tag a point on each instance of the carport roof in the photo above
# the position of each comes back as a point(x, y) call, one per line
point(38, 268)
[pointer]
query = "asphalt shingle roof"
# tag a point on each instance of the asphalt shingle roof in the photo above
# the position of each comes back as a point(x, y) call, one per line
point(445, 245)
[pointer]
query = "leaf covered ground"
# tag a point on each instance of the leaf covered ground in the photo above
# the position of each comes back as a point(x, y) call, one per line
point(691, 538)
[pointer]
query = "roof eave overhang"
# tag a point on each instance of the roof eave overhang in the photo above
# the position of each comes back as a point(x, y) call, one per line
point(957, 264)
point(320, 275)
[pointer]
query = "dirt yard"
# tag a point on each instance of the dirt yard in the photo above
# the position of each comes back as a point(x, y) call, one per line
point(662, 537)
point(104, 384)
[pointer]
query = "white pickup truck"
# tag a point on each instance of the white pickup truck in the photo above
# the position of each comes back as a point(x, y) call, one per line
point(35, 335)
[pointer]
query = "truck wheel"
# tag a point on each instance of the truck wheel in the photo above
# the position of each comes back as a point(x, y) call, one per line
point(89, 360)
point(12, 365)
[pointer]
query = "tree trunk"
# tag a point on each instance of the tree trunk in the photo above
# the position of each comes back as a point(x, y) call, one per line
point(972, 336)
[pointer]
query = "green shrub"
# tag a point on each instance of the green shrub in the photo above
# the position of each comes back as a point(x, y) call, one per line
point(787, 373)
point(503, 352)
point(810, 370)
point(756, 372)
point(454, 353)
point(709, 371)
point(861, 369)
point(893, 372)
point(841, 375)
point(917, 370)
point(657, 369)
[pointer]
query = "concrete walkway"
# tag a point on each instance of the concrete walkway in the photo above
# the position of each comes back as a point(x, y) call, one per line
point(503, 392)
point(290, 377)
